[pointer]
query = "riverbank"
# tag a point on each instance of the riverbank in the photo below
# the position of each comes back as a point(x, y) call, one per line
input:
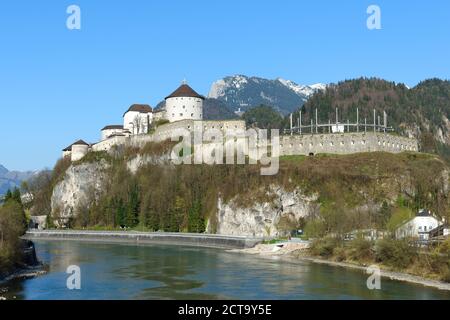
point(299, 252)
point(184, 239)
point(28, 267)
point(399, 276)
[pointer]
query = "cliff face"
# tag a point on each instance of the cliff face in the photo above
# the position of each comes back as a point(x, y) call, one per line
point(268, 219)
point(79, 187)
point(146, 190)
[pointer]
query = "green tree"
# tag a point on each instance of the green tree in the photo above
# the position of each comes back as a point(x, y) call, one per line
point(263, 117)
point(196, 221)
point(132, 209)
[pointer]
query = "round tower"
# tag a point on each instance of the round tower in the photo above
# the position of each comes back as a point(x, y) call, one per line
point(184, 103)
point(79, 150)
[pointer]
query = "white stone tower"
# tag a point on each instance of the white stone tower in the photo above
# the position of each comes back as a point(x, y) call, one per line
point(184, 103)
point(79, 150)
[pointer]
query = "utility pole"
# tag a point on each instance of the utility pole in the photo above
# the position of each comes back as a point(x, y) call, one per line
point(300, 118)
point(291, 123)
point(357, 120)
point(374, 120)
point(317, 128)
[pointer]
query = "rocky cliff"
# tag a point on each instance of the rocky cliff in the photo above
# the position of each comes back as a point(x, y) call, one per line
point(267, 219)
point(79, 187)
point(147, 191)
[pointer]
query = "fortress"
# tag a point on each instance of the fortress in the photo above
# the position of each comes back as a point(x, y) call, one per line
point(183, 112)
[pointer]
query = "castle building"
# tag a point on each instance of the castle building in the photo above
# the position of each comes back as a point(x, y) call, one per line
point(184, 104)
point(138, 118)
point(184, 113)
point(76, 151)
point(112, 130)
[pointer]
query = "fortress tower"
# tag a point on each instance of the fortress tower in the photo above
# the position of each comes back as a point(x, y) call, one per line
point(184, 103)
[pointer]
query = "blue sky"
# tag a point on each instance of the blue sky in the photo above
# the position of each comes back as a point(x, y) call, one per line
point(58, 85)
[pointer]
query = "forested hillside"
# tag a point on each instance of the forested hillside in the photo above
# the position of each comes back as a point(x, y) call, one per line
point(422, 112)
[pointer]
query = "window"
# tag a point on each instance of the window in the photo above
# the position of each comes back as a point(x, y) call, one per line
point(181, 114)
point(420, 227)
point(192, 114)
point(184, 107)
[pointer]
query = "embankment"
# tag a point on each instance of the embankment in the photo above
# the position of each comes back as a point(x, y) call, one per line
point(187, 239)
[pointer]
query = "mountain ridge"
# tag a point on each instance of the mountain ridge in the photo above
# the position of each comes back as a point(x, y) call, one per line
point(12, 179)
point(244, 92)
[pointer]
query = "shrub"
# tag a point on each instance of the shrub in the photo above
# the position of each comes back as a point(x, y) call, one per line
point(324, 247)
point(395, 253)
point(340, 254)
point(361, 249)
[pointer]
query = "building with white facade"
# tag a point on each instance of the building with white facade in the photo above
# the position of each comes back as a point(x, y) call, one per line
point(184, 104)
point(418, 227)
point(113, 130)
point(138, 119)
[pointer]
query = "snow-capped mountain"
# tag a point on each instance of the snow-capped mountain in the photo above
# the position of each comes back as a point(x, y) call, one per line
point(245, 92)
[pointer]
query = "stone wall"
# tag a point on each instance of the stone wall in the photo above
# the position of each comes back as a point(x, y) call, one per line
point(345, 143)
point(188, 239)
point(306, 144)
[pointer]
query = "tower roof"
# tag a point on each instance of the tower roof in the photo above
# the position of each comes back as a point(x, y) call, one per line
point(141, 108)
point(114, 126)
point(185, 91)
point(78, 143)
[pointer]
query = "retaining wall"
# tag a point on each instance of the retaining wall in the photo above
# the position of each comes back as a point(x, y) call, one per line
point(187, 239)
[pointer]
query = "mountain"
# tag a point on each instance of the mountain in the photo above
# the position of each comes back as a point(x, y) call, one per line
point(242, 92)
point(422, 111)
point(213, 109)
point(12, 179)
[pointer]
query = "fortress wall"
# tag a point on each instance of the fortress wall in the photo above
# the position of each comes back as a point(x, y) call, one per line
point(107, 144)
point(345, 143)
point(337, 143)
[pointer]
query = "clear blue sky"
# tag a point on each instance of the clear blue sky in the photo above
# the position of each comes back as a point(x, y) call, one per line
point(58, 85)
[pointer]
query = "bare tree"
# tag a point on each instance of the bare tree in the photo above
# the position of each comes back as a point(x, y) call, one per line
point(138, 123)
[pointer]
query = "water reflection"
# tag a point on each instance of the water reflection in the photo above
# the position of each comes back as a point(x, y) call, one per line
point(112, 271)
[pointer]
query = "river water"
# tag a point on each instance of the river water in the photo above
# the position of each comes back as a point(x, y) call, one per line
point(114, 271)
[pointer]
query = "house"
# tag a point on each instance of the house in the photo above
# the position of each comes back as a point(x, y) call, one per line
point(418, 227)
point(441, 232)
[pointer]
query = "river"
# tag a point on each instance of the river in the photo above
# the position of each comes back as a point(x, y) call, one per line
point(114, 271)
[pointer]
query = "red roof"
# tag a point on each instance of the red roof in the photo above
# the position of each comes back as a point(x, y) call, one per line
point(185, 91)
